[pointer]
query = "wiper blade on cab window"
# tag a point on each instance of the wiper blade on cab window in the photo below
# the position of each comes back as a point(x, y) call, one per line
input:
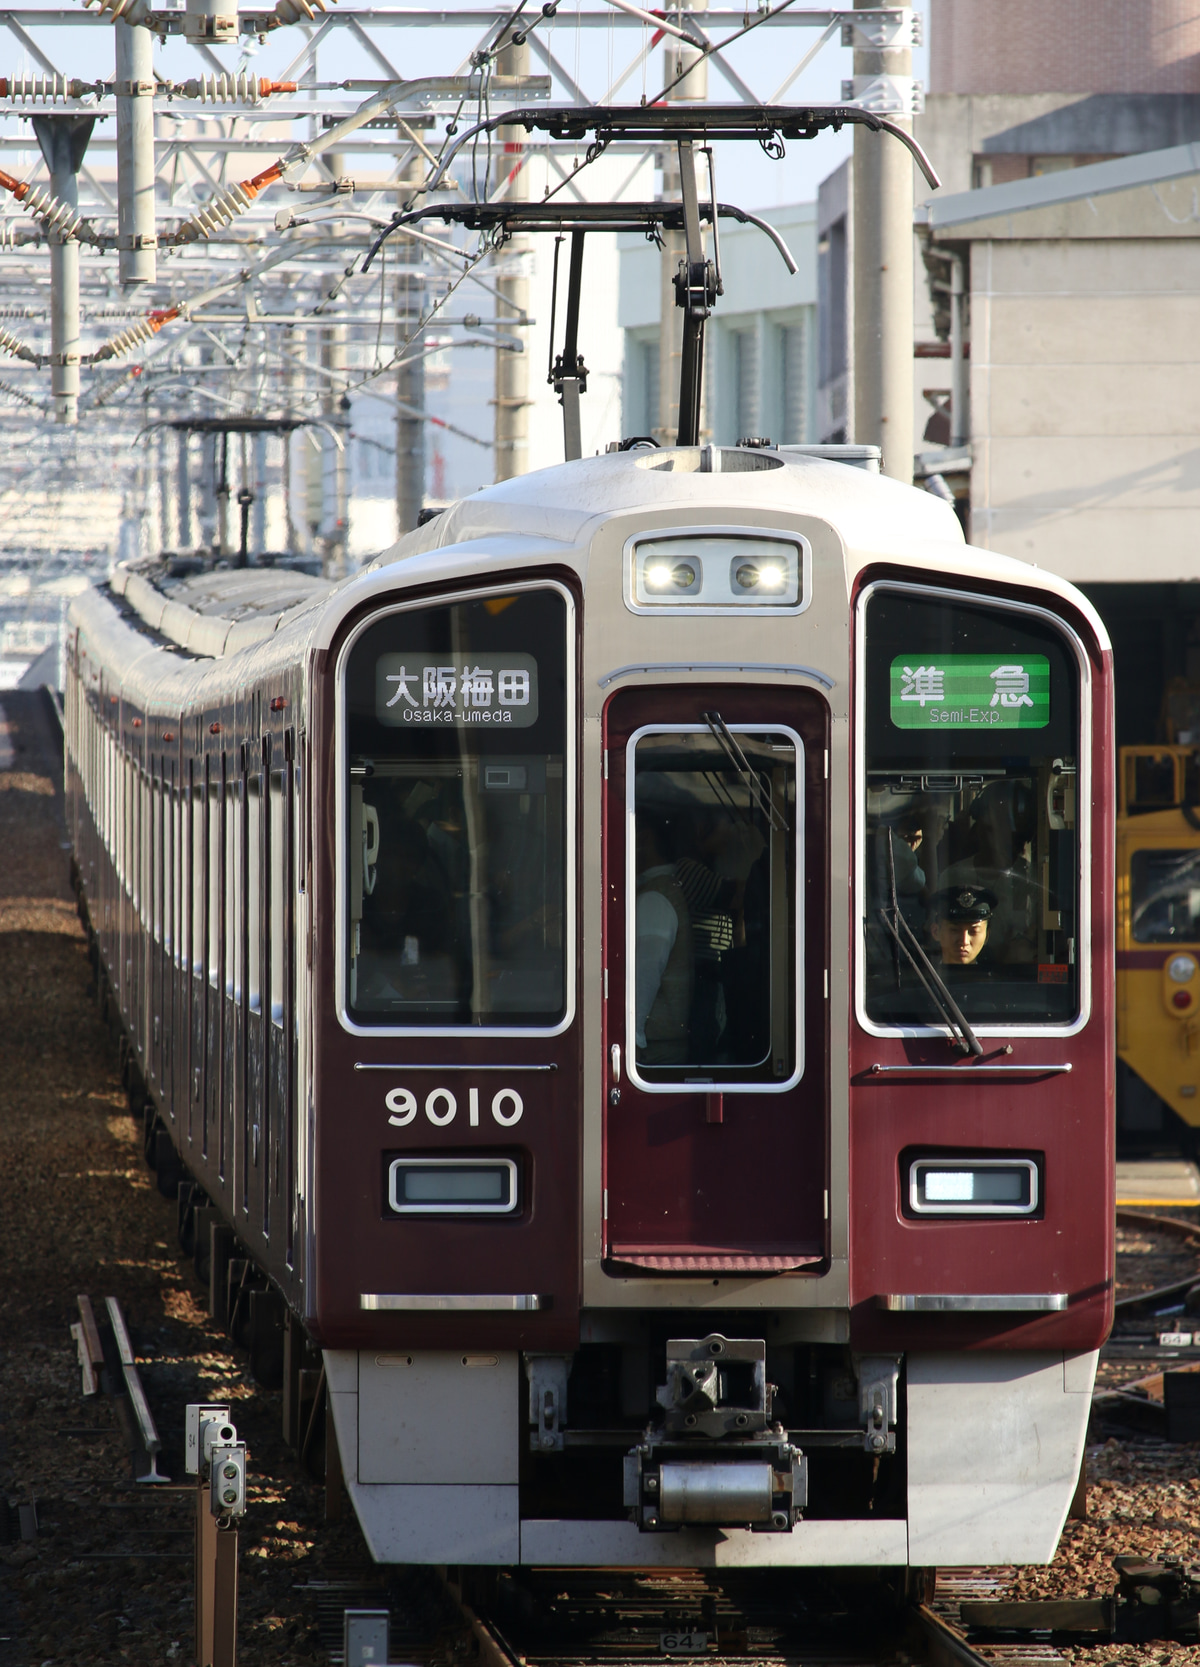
point(931, 979)
point(727, 742)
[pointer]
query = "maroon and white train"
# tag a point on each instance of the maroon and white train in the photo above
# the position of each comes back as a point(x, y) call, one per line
point(545, 949)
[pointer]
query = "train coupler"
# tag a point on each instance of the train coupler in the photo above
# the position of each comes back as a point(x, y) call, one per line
point(718, 1457)
point(759, 1482)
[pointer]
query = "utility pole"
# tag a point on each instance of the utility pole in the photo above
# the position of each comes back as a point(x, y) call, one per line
point(410, 374)
point(511, 428)
point(63, 141)
point(166, 509)
point(959, 422)
point(688, 62)
point(883, 249)
point(258, 515)
point(137, 233)
point(293, 349)
point(187, 535)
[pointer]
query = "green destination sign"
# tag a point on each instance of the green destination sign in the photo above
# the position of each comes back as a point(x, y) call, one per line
point(970, 691)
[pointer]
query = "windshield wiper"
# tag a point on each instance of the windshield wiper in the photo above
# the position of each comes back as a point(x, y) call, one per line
point(930, 978)
point(727, 742)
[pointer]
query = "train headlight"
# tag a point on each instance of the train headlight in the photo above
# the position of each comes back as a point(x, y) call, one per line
point(763, 578)
point(682, 578)
point(719, 572)
point(1181, 969)
point(946, 1186)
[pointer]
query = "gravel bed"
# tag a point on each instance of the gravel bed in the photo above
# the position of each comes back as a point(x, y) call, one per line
point(1143, 1494)
point(1147, 1260)
point(80, 1212)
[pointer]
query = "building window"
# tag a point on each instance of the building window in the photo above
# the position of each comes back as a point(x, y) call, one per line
point(793, 364)
point(746, 382)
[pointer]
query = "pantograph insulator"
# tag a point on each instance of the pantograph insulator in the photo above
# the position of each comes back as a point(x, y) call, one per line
point(11, 344)
point(126, 340)
point(129, 11)
point(231, 89)
point(45, 89)
point(226, 206)
point(299, 11)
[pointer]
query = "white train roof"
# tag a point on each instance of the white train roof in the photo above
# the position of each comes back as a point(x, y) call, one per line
point(542, 517)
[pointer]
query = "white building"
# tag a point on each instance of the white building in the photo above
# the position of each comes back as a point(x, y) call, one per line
point(760, 346)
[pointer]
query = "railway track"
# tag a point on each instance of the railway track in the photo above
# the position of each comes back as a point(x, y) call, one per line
point(97, 1567)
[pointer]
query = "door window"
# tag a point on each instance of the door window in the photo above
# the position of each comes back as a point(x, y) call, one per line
point(713, 854)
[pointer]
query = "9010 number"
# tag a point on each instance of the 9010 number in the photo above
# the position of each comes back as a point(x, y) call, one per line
point(441, 1107)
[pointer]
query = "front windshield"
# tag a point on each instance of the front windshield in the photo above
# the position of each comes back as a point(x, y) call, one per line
point(971, 831)
point(456, 815)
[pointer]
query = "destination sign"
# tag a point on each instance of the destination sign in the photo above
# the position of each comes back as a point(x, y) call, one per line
point(456, 690)
point(970, 691)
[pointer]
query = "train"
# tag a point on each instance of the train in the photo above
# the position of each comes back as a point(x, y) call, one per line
point(1158, 945)
point(634, 968)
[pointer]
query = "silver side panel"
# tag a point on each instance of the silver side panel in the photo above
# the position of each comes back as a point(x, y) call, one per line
point(844, 1544)
point(429, 1452)
point(995, 1442)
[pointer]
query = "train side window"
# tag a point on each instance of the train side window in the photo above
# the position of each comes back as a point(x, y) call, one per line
point(177, 837)
point(233, 893)
point(198, 878)
point(971, 847)
point(214, 885)
point(156, 850)
point(278, 866)
point(454, 853)
point(712, 892)
point(1164, 896)
point(254, 898)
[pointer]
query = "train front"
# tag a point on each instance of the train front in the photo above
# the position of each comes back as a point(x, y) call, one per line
point(710, 1159)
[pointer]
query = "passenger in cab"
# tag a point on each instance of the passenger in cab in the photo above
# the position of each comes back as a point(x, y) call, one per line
point(408, 937)
point(665, 970)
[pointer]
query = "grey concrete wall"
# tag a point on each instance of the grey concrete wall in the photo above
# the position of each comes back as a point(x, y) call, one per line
point(1085, 400)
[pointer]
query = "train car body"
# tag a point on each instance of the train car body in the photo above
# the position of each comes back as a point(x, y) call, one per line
point(517, 939)
point(1158, 940)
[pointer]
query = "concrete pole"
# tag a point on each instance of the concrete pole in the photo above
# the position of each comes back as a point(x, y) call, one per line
point(64, 317)
point(410, 377)
point(313, 444)
point(187, 535)
point(222, 492)
point(137, 238)
point(686, 60)
point(258, 512)
point(63, 141)
point(335, 496)
point(511, 430)
point(960, 426)
point(335, 481)
point(290, 371)
point(166, 507)
point(883, 277)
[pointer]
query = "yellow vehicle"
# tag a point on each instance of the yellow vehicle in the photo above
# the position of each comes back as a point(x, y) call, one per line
point(1158, 946)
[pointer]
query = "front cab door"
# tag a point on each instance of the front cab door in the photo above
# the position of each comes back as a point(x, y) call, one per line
point(716, 1055)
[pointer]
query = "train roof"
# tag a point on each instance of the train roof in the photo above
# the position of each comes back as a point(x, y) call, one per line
point(543, 516)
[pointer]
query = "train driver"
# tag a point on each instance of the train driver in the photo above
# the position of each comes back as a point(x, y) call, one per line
point(958, 919)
